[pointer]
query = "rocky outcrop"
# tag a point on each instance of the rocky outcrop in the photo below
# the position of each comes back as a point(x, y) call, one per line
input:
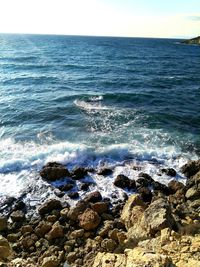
point(195, 40)
point(53, 171)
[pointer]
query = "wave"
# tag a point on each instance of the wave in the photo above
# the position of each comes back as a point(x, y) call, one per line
point(94, 103)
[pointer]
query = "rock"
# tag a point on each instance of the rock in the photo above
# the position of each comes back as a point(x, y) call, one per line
point(56, 231)
point(158, 216)
point(89, 220)
point(131, 210)
point(53, 171)
point(108, 245)
point(71, 257)
point(123, 182)
point(191, 168)
point(193, 193)
point(161, 187)
point(49, 205)
point(19, 205)
point(43, 228)
point(17, 216)
point(5, 250)
point(74, 212)
point(76, 234)
point(13, 237)
point(193, 181)
point(64, 212)
point(27, 242)
point(79, 173)
point(85, 186)
point(105, 228)
point(26, 229)
point(93, 197)
point(110, 260)
point(100, 207)
point(145, 194)
point(73, 195)
point(144, 179)
point(195, 41)
point(105, 172)
point(174, 186)
point(169, 172)
point(3, 223)
point(66, 187)
point(51, 261)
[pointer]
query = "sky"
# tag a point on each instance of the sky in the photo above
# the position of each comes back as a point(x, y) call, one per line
point(134, 18)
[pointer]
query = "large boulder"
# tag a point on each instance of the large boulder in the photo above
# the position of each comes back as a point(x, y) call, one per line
point(89, 220)
point(93, 197)
point(49, 205)
point(79, 173)
point(191, 168)
point(74, 212)
point(53, 171)
point(123, 182)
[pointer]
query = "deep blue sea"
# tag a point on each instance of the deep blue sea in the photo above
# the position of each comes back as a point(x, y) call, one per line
point(96, 101)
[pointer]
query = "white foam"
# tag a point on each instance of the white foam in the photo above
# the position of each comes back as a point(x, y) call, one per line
point(90, 105)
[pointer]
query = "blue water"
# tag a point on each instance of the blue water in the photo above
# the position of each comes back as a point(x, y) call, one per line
point(94, 101)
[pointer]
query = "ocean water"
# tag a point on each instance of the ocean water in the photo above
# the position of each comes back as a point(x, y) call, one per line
point(96, 101)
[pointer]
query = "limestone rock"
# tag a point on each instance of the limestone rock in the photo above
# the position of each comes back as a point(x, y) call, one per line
point(109, 245)
point(110, 260)
point(89, 220)
point(53, 171)
point(50, 262)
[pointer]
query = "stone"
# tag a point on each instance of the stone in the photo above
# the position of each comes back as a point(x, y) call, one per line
point(43, 228)
point(5, 249)
point(66, 187)
point(51, 261)
point(56, 231)
point(93, 197)
point(157, 186)
point(158, 216)
point(108, 245)
point(3, 223)
point(76, 234)
point(13, 237)
point(85, 186)
point(145, 193)
point(26, 229)
point(73, 195)
point(100, 207)
point(193, 181)
point(79, 173)
point(74, 212)
point(174, 186)
point(64, 212)
point(169, 171)
point(71, 257)
point(191, 168)
point(123, 182)
point(193, 193)
point(17, 216)
point(105, 172)
point(53, 171)
point(89, 220)
point(27, 242)
point(105, 228)
point(146, 178)
point(49, 205)
point(110, 260)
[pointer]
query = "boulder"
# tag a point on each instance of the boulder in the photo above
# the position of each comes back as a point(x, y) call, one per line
point(145, 193)
point(89, 220)
point(174, 186)
point(53, 171)
point(157, 186)
point(123, 182)
point(51, 261)
point(169, 171)
point(93, 197)
point(79, 173)
point(56, 231)
point(5, 250)
point(158, 216)
point(105, 172)
point(17, 216)
point(43, 228)
point(193, 181)
point(193, 193)
point(191, 168)
point(74, 212)
point(49, 205)
point(73, 195)
point(100, 207)
point(108, 245)
point(144, 179)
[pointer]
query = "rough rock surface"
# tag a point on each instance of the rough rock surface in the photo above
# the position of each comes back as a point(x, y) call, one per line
point(89, 220)
point(53, 171)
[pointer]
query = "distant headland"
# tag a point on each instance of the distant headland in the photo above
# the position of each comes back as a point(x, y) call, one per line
point(195, 40)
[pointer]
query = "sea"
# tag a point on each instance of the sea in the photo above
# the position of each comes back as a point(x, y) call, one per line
point(129, 104)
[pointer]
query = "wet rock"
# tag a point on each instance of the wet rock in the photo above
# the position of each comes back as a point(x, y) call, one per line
point(79, 173)
point(145, 194)
point(73, 195)
point(158, 216)
point(56, 231)
point(105, 172)
point(123, 182)
point(100, 207)
point(19, 205)
point(108, 245)
point(93, 197)
point(53, 171)
point(157, 186)
point(144, 179)
point(169, 171)
point(17, 216)
point(49, 205)
point(89, 220)
point(66, 187)
point(3, 223)
point(174, 186)
point(51, 261)
point(74, 212)
point(191, 168)
point(71, 257)
point(5, 250)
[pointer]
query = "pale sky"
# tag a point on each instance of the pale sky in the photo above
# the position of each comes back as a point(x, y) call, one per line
point(135, 18)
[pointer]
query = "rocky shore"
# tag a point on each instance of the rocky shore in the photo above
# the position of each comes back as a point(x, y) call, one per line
point(195, 40)
point(157, 225)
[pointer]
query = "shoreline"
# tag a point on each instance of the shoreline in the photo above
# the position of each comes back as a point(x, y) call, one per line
point(159, 221)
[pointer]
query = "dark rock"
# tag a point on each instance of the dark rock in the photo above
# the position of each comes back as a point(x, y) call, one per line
point(157, 186)
point(175, 186)
point(53, 171)
point(43, 228)
point(105, 172)
point(193, 181)
point(56, 231)
point(74, 212)
point(49, 205)
point(79, 173)
point(100, 207)
point(169, 171)
point(66, 187)
point(17, 216)
point(73, 195)
point(144, 180)
point(123, 182)
point(93, 197)
point(89, 220)
point(19, 205)
point(85, 186)
point(145, 194)
point(108, 245)
point(191, 168)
